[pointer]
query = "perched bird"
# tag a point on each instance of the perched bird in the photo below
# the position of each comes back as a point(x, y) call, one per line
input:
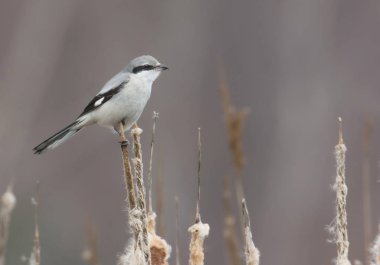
point(122, 99)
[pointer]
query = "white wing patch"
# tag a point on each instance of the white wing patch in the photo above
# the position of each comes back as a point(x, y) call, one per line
point(98, 102)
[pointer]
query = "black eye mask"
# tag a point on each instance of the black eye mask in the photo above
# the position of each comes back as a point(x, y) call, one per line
point(140, 68)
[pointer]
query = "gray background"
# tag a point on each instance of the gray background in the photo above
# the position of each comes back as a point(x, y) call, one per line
point(296, 64)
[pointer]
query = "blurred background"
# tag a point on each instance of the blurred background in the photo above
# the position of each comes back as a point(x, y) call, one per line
point(297, 65)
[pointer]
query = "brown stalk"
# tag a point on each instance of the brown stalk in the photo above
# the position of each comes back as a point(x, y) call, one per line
point(197, 214)
point(128, 179)
point(134, 253)
point(229, 233)
point(138, 166)
point(341, 231)
point(234, 119)
point(159, 248)
point(150, 180)
point(199, 231)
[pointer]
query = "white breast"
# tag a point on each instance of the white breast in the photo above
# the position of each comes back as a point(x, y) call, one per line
point(127, 105)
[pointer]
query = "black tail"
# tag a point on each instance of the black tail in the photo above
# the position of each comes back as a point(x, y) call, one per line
point(58, 138)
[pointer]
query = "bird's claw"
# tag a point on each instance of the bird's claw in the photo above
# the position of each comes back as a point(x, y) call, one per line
point(124, 143)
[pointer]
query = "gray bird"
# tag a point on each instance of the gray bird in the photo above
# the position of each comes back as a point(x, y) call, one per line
point(122, 99)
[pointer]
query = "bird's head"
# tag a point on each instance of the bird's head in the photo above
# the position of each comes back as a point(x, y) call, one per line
point(146, 66)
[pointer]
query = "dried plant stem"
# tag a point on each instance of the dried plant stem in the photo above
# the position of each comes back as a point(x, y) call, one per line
point(234, 119)
point(134, 254)
point(252, 254)
point(8, 202)
point(341, 233)
point(159, 248)
point(366, 184)
point(375, 250)
point(235, 122)
point(150, 180)
point(197, 214)
point(138, 166)
point(199, 231)
point(128, 179)
point(229, 233)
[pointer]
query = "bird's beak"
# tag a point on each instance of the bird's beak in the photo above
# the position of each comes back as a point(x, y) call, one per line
point(162, 67)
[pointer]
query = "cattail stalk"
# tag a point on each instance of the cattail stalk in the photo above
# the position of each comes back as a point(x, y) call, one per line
point(234, 119)
point(341, 232)
point(199, 231)
point(133, 254)
point(8, 202)
point(198, 215)
point(235, 122)
point(252, 254)
point(150, 180)
point(159, 248)
point(138, 166)
point(229, 232)
point(128, 179)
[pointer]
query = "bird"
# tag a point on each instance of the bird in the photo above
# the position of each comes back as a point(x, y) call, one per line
point(122, 99)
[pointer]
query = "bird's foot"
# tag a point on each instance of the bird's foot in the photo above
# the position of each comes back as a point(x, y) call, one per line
point(124, 143)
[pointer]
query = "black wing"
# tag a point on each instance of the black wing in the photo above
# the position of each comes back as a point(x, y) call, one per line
point(100, 99)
